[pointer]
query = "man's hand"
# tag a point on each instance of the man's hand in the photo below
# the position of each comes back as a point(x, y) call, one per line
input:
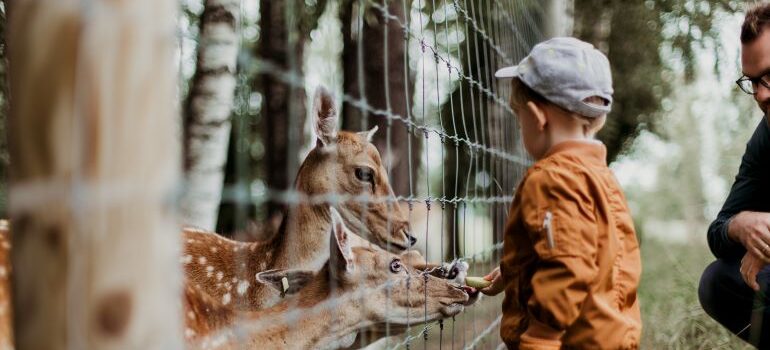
point(750, 267)
point(497, 285)
point(752, 229)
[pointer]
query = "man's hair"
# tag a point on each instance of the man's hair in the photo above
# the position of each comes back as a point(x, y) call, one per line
point(757, 18)
point(521, 94)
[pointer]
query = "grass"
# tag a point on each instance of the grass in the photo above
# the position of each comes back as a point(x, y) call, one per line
point(671, 313)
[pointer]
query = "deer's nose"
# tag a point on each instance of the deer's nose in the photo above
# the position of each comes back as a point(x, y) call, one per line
point(412, 239)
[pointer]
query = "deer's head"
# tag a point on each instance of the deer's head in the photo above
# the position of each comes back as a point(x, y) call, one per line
point(347, 163)
point(380, 281)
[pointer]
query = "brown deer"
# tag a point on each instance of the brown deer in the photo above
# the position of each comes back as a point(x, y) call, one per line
point(343, 163)
point(356, 288)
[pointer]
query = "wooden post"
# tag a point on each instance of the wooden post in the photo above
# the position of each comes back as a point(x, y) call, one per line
point(93, 139)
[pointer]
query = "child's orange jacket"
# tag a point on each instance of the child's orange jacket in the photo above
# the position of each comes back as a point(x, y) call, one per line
point(571, 260)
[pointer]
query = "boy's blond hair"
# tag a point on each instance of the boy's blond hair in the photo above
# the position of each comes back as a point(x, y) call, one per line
point(521, 94)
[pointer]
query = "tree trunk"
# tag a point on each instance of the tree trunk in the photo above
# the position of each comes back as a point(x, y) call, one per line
point(95, 158)
point(384, 76)
point(559, 18)
point(283, 111)
point(207, 113)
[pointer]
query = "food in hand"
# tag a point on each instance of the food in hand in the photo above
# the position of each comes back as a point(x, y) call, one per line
point(477, 282)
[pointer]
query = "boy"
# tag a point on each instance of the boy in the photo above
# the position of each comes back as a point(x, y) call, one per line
point(571, 263)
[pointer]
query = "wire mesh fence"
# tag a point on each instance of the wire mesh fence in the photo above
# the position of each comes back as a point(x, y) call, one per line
point(419, 147)
point(447, 136)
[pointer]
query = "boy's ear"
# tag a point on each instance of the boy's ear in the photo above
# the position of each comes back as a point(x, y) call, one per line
point(538, 112)
point(294, 281)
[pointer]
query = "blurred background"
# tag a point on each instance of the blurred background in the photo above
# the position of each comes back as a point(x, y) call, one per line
point(675, 136)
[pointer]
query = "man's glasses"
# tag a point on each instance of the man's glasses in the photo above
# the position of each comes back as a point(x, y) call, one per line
point(750, 85)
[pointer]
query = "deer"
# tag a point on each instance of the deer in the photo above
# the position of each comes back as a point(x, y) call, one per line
point(343, 163)
point(357, 288)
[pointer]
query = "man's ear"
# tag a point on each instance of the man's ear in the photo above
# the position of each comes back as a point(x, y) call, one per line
point(341, 255)
point(325, 117)
point(285, 281)
point(538, 112)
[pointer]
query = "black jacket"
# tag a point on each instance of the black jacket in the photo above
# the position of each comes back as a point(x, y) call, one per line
point(751, 191)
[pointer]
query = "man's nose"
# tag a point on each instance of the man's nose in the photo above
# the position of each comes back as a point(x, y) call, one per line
point(763, 94)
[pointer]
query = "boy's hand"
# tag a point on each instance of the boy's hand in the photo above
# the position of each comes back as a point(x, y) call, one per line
point(750, 266)
point(497, 285)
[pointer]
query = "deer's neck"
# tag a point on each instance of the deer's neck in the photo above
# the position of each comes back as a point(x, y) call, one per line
point(327, 324)
point(303, 241)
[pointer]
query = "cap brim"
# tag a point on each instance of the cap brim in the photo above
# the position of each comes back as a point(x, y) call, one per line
point(507, 72)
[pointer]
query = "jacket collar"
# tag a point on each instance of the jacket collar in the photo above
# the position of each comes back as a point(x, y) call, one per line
point(589, 151)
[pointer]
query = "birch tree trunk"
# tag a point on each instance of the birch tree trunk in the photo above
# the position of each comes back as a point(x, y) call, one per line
point(559, 18)
point(207, 113)
point(91, 138)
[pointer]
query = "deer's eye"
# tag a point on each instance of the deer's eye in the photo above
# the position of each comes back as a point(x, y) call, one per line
point(395, 266)
point(365, 174)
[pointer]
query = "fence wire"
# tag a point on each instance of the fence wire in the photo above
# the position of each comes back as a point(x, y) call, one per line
point(463, 148)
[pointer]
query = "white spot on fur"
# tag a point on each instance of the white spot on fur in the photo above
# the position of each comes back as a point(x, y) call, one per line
point(191, 315)
point(220, 275)
point(263, 266)
point(242, 287)
point(186, 259)
point(3, 272)
point(226, 299)
point(234, 280)
point(189, 333)
point(213, 249)
point(202, 260)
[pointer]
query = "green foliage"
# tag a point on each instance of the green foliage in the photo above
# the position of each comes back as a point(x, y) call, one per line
point(633, 34)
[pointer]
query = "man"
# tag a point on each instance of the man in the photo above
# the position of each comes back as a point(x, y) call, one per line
point(734, 289)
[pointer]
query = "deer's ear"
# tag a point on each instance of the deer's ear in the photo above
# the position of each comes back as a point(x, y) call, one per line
point(369, 135)
point(286, 281)
point(325, 116)
point(341, 255)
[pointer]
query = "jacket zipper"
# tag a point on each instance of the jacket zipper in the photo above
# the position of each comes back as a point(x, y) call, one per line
point(547, 228)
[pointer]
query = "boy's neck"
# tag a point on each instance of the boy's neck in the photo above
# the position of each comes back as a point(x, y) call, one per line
point(563, 134)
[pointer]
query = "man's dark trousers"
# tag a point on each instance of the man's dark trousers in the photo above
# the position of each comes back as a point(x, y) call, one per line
point(730, 301)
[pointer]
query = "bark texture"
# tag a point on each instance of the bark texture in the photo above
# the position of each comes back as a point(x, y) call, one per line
point(382, 76)
point(207, 113)
point(94, 153)
point(283, 112)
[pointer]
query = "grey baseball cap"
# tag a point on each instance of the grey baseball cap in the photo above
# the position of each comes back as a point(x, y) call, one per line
point(566, 71)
